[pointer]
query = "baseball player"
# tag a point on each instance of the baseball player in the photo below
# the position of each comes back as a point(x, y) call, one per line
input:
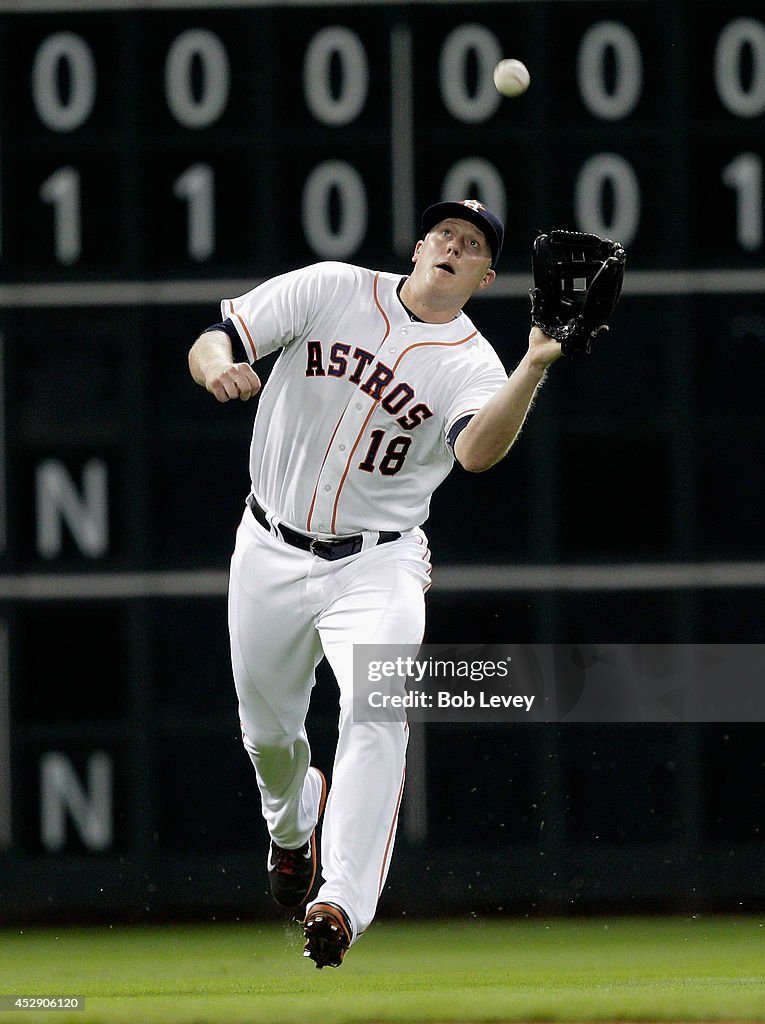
point(382, 381)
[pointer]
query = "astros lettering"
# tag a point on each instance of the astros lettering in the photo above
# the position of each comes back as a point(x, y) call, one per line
point(374, 385)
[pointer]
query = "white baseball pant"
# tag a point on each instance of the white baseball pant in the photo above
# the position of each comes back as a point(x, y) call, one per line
point(288, 609)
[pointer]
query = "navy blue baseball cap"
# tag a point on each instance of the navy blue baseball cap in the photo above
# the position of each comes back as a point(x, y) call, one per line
point(469, 209)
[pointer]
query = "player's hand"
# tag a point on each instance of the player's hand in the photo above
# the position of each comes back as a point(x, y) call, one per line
point(543, 350)
point(237, 380)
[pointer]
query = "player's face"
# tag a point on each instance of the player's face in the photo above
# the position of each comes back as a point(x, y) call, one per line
point(454, 257)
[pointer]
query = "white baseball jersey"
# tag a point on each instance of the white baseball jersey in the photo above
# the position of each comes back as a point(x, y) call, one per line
point(352, 425)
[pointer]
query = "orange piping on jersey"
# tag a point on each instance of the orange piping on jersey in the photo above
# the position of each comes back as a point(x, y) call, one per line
point(318, 475)
point(348, 463)
point(428, 567)
point(424, 344)
point(383, 314)
point(419, 344)
point(337, 425)
point(465, 412)
point(244, 328)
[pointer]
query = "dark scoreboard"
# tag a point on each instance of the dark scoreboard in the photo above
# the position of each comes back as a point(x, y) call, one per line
point(238, 140)
point(157, 157)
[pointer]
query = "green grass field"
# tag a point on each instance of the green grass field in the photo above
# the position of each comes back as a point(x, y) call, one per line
point(617, 969)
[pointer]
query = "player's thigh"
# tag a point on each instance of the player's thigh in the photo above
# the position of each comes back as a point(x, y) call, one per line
point(382, 601)
point(274, 644)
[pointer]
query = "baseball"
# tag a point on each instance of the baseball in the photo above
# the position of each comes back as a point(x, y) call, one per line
point(511, 77)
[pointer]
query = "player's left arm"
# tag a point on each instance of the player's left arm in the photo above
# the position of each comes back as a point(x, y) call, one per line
point(489, 435)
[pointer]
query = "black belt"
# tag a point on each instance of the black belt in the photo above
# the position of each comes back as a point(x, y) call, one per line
point(329, 549)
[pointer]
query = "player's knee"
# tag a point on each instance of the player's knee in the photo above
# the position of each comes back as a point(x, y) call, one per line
point(257, 741)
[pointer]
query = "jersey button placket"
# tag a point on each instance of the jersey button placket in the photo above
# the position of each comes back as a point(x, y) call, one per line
point(334, 468)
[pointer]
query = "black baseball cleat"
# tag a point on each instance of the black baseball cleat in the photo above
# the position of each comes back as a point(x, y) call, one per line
point(327, 933)
point(291, 873)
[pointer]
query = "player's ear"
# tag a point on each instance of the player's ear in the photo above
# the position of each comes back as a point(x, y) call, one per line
point(417, 250)
point(487, 279)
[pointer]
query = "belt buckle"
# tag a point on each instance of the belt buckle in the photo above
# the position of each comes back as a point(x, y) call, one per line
point(333, 549)
point(322, 548)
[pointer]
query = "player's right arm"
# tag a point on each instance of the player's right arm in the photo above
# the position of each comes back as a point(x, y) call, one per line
point(212, 366)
